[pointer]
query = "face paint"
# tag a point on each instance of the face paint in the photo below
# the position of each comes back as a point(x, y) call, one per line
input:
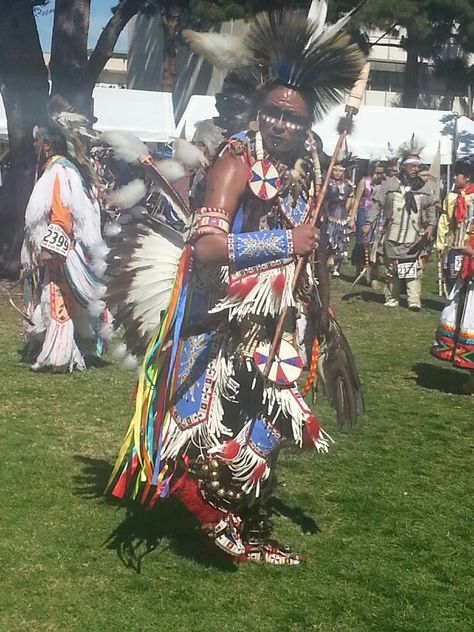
point(284, 119)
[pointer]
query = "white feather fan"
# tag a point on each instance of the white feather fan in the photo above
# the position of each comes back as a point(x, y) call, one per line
point(142, 270)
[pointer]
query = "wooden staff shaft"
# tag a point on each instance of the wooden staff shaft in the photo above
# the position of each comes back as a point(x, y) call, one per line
point(299, 265)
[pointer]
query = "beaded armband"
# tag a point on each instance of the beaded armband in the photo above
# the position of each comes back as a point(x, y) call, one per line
point(247, 250)
point(208, 220)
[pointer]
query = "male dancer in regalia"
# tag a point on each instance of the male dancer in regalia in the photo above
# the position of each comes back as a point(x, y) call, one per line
point(409, 220)
point(63, 255)
point(209, 423)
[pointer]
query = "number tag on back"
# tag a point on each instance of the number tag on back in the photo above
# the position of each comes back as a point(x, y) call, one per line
point(56, 240)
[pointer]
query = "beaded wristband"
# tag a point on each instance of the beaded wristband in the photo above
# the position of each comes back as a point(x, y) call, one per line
point(246, 250)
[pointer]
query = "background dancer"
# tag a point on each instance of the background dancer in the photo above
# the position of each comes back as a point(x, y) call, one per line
point(360, 207)
point(63, 255)
point(339, 221)
point(409, 220)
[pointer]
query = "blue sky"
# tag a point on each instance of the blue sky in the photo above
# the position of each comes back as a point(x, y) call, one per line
point(100, 15)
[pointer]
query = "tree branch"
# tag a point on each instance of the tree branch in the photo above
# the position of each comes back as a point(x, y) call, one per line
point(108, 38)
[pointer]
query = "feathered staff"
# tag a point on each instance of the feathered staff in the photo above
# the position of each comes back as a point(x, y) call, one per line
point(345, 124)
point(131, 149)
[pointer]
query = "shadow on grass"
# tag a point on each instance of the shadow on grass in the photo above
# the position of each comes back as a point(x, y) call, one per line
point(29, 352)
point(142, 531)
point(441, 378)
point(363, 295)
point(295, 514)
point(168, 524)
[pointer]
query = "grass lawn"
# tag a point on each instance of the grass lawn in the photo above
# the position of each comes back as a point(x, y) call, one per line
point(385, 518)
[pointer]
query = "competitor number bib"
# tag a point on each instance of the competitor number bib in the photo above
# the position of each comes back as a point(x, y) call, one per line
point(407, 270)
point(56, 240)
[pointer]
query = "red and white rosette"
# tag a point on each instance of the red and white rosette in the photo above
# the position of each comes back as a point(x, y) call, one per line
point(264, 181)
point(286, 366)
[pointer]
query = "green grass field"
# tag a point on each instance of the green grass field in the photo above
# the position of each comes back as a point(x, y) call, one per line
point(385, 518)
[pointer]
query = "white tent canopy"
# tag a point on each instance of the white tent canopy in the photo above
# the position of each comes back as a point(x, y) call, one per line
point(464, 137)
point(148, 115)
point(374, 127)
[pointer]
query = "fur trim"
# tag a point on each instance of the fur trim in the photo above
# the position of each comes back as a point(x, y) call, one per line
point(127, 196)
point(126, 146)
point(112, 229)
point(188, 154)
point(170, 169)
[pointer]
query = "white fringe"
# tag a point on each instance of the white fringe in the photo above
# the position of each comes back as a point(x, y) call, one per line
point(244, 463)
point(290, 403)
point(85, 212)
point(261, 300)
point(208, 434)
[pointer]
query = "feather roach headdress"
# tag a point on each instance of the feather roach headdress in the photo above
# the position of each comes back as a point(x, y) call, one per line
point(70, 132)
point(288, 49)
point(413, 147)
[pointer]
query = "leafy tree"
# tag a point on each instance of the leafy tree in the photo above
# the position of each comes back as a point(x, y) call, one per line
point(428, 24)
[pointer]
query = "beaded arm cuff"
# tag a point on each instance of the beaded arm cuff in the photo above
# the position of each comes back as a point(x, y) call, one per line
point(247, 250)
point(208, 220)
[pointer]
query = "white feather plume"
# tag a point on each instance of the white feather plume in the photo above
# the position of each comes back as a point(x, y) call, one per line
point(130, 362)
point(188, 154)
point(220, 49)
point(112, 229)
point(99, 250)
point(126, 146)
point(106, 331)
point(119, 352)
point(96, 307)
point(170, 169)
point(128, 195)
point(336, 28)
point(317, 14)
